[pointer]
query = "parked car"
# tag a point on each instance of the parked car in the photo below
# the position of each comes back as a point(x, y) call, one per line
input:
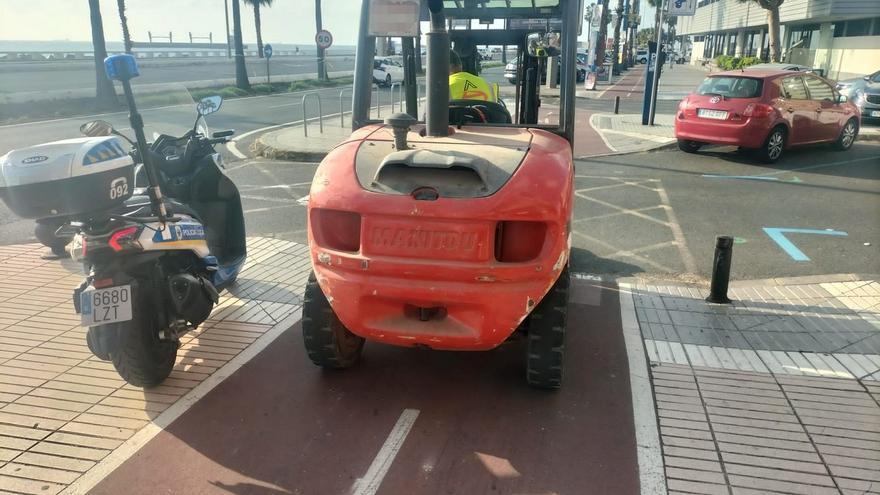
point(387, 71)
point(767, 111)
point(783, 66)
point(510, 70)
point(864, 92)
point(642, 56)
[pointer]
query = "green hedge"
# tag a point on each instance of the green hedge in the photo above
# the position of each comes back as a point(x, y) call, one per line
point(727, 62)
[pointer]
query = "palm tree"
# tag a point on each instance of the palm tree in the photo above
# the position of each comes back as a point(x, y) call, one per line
point(241, 79)
point(603, 33)
point(104, 92)
point(322, 67)
point(615, 53)
point(257, 4)
point(772, 8)
point(126, 36)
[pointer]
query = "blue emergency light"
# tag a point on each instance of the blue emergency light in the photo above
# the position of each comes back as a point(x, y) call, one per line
point(121, 67)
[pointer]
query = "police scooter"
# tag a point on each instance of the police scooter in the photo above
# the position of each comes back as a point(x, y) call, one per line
point(158, 262)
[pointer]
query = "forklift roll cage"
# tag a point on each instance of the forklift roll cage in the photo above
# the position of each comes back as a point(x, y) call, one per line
point(437, 61)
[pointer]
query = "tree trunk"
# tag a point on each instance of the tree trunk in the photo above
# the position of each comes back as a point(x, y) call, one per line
point(615, 54)
point(773, 32)
point(126, 35)
point(241, 78)
point(104, 92)
point(259, 29)
point(322, 67)
point(603, 32)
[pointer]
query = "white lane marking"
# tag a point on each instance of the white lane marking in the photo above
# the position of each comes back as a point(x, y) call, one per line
point(92, 477)
point(821, 165)
point(369, 483)
point(651, 478)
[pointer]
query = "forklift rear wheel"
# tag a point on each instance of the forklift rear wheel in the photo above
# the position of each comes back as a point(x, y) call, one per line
point(328, 343)
point(546, 340)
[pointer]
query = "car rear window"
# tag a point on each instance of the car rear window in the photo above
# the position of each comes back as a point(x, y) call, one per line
point(731, 87)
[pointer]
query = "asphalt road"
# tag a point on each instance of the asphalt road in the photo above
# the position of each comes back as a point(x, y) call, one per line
point(19, 77)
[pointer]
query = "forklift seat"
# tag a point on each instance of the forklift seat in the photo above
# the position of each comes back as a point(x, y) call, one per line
point(494, 113)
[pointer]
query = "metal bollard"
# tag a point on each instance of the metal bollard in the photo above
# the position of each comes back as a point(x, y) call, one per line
point(616, 104)
point(320, 114)
point(721, 270)
point(342, 106)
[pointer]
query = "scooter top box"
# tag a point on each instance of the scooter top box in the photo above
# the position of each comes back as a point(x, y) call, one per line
point(67, 178)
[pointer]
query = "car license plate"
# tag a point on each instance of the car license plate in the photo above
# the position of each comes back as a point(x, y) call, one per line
point(875, 113)
point(103, 306)
point(712, 114)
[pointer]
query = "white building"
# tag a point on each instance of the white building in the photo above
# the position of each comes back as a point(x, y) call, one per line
point(840, 36)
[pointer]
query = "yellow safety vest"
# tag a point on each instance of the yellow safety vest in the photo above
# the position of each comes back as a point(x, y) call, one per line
point(466, 86)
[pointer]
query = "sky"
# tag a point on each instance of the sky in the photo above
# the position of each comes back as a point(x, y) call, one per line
point(287, 21)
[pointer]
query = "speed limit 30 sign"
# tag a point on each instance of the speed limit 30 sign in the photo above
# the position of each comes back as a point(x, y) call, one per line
point(324, 39)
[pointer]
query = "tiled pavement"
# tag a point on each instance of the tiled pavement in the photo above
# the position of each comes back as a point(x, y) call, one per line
point(62, 410)
point(778, 393)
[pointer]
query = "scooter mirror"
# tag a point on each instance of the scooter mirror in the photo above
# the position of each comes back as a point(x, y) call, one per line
point(121, 67)
point(209, 105)
point(96, 128)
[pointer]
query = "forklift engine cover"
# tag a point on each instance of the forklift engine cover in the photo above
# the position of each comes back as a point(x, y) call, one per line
point(448, 244)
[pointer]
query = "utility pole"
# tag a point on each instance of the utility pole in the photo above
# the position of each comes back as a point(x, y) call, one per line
point(657, 65)
point(228, 46)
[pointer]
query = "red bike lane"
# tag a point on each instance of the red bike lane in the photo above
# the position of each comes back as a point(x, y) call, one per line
point(407, 421)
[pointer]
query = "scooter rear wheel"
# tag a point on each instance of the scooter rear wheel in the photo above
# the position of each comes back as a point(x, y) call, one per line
point(546, 336)
point(328, 343)
point(141, 358)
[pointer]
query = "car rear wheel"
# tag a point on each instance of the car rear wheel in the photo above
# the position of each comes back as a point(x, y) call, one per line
point(328, 343)
point(689, 146)
point(847, 135)
point(546, 336)
point(773, 146)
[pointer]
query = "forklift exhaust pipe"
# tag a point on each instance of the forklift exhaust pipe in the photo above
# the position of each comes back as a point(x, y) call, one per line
point(438, 72)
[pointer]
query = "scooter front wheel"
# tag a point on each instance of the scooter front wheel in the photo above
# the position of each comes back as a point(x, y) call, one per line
point(328, 343)
point(141, 357)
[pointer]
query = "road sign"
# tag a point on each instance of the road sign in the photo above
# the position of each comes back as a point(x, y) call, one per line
point(682, 7)
point(324, 39)
point(267, 51)
point(395, 17)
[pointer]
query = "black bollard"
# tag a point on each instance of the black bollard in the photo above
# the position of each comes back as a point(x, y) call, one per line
point(616, 104)
point(721, 270)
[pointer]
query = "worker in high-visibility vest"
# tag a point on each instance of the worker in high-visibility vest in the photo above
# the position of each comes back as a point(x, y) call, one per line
point(464, 85)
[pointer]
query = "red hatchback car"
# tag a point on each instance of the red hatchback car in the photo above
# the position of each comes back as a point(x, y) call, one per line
point(767, 111)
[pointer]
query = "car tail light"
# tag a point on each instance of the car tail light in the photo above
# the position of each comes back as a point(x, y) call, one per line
point(683, 104)
point(125, 239)
point(758, 110)
point(517, 242)
point(334, 229)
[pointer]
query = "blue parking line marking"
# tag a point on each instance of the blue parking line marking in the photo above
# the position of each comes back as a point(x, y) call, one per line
point(778, 236)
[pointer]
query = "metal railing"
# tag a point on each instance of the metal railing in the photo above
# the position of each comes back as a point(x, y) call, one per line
point(342, 106)
point(320, 113)
point(399, 87)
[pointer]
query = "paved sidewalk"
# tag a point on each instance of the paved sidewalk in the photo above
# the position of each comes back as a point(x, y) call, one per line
point(63, 411)
point(777, 393)
point(626, 134)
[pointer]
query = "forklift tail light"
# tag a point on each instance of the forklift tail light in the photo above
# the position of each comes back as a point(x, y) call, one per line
point(518, 242)
point(337, 230)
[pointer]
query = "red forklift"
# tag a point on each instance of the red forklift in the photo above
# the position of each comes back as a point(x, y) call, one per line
point(452, 230)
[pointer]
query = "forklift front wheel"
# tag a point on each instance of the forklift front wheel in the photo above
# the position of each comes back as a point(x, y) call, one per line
point(546, 339)
point(328, 343)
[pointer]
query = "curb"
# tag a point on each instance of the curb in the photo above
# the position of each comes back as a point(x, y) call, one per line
point(260, 148)
point(868, 138)
point(766, 282)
